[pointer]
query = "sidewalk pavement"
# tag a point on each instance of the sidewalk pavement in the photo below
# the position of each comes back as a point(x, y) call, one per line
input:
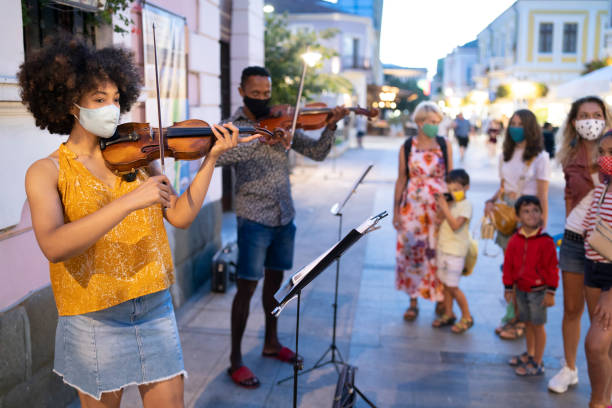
point(399, 364)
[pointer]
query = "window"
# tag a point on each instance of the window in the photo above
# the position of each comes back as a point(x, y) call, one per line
point(546, 38)
point(45, 18)
point(570, 37)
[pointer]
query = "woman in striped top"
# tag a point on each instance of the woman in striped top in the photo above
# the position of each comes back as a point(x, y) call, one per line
point(597, 282)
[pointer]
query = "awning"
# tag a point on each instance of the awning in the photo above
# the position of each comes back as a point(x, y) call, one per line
point(596, 83)
point(85, 5)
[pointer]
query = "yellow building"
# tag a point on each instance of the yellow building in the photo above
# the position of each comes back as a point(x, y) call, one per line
point(541, 41)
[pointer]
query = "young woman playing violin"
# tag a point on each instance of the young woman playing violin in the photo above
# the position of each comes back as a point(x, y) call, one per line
point(110, 262)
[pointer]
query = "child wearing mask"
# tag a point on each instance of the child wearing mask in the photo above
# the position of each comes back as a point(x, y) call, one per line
point(597, 282)
point(453, 245)
point(530, 279)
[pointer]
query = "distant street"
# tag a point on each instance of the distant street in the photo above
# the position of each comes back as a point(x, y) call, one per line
point(399, 364)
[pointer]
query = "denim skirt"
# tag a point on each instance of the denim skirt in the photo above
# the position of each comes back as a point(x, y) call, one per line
point(134, 342)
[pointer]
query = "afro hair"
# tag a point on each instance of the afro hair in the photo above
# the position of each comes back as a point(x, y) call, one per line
point(59, 74)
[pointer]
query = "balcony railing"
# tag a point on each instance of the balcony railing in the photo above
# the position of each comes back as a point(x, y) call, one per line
point(355, 62)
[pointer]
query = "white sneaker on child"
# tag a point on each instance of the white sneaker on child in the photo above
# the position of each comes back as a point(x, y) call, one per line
point(563, 379)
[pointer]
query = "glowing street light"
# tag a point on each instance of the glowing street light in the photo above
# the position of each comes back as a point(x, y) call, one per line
point(311, 58)
point(268, 8)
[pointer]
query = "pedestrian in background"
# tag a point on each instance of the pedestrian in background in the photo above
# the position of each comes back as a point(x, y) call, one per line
point(453, 246)
point(524, 169)
point(580, 133)
point(424, 160)
point(530, 279)
point(462, 129)
point(598, 281)
point(548, 133)
point(494, 129)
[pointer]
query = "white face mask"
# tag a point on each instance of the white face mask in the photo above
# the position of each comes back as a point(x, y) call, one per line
point(102, 122)
point(590, 129)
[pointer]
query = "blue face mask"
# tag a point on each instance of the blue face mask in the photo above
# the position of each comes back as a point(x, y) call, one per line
point(517, 134)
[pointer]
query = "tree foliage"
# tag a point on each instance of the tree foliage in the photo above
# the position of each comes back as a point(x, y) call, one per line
point(412, 95)
point(283, 50)
point(594, 66)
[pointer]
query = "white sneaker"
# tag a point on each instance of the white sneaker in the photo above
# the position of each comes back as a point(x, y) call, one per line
point(563, 379)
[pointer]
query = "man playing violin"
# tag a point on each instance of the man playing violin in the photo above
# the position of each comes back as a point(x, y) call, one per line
point(265, 212)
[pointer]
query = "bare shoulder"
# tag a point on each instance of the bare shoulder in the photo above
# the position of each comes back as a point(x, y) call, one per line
point(43, 171)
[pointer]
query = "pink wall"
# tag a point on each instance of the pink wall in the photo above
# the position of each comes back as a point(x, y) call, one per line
point(24, 267)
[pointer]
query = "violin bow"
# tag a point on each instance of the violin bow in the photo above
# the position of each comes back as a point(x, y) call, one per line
point(297, 104)
point(161, 131)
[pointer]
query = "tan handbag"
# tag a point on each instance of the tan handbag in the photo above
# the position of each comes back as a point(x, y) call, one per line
point(601, 237)
point(503, 215)
point(504, 218)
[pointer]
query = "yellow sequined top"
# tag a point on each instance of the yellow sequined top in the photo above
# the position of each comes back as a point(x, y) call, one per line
point(133, 259)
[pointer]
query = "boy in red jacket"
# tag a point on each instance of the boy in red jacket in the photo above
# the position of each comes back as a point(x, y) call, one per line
point(531, 274)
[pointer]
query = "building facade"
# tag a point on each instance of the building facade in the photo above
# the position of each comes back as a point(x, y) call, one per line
point(541, 41)
point(458, 68)
point(221, 37)
point(358, 40)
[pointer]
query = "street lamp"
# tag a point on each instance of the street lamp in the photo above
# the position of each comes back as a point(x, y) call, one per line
point(268, 8)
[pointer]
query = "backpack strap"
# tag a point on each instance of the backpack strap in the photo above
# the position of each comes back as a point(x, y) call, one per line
point(408, 147)
point(442, 143)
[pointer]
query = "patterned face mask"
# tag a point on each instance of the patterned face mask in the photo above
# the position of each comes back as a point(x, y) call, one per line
point(605, 165)
point(590, 129)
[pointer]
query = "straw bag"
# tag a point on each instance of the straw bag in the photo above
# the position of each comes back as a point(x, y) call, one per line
point(470, 258)
point(487, 229)
point(601, 237)
point(503, 215)
point(503, 218)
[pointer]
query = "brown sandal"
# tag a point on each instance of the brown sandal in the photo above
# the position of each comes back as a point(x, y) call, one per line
point(513, 331)
point(443, 320)
point(462, 325)
point(411, 313)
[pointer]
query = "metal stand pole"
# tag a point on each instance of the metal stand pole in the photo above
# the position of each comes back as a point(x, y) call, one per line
point(296, 364)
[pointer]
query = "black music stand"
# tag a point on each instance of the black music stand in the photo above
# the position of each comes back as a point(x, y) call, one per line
point(337, 211)
point(298, 281)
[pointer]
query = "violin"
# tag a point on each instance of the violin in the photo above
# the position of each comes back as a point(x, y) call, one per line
point(311, 117)
point(136, 145)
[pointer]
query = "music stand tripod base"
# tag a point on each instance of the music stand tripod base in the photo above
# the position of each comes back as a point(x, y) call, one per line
point(293, 286)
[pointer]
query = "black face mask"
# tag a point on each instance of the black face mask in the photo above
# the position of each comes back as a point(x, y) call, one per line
point(258, 107)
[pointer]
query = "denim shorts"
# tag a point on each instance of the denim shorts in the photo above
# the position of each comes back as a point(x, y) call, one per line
point(571, 254)
point(134, 342)
point(530, 306)
point(260, 247)
point(598, 274)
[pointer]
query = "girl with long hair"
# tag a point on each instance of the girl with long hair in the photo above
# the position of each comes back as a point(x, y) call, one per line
point(585, 123)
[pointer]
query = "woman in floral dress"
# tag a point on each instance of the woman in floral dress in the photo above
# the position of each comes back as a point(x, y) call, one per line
point(414, 212)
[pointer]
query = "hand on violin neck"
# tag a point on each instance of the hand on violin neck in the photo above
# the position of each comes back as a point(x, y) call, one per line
point(226, 137)
point(336, 114)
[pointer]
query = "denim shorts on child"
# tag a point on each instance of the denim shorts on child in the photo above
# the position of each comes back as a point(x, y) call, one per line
point(530, 306)
point(571, 253)
point(134, 342)
point(450, 268)
point(260, 247)
point(598, 274)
